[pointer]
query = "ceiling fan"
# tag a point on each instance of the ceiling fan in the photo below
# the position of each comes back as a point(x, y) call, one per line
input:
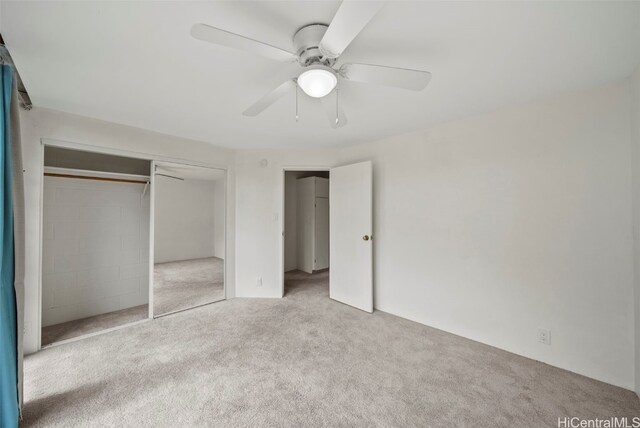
point(318, 46)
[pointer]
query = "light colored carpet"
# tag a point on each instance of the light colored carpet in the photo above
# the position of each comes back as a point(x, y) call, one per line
point(75, 328)
point(304, 360)
point(186, 284)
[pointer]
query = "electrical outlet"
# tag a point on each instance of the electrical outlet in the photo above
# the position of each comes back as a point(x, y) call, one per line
point(544, 336)
point(259, 281)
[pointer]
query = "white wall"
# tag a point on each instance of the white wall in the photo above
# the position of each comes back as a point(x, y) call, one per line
point(95, 251)
point(634, 85)
point(43, 123)
point(185, 219)
point(495, 226)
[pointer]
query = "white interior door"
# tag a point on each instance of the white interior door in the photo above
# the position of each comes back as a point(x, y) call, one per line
point(351, 225)
point(321, 255)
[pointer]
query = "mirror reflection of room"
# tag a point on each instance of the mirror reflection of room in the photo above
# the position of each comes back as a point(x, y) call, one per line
point(189, 238)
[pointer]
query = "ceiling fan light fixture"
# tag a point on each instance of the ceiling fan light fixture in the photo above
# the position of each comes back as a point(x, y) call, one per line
point(318, 81)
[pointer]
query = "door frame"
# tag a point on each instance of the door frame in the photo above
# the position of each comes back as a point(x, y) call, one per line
point(151, 157)
point(281, 215)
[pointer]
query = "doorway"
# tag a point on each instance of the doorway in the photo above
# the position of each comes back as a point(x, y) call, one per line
point(306, 229)
point(189, 237)
point(349, 272)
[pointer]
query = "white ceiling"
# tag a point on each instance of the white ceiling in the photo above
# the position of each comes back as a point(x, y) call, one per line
point(135, 63)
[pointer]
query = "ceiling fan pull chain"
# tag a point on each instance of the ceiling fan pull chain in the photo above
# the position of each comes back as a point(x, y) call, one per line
point(297, 101)
point(337, 116)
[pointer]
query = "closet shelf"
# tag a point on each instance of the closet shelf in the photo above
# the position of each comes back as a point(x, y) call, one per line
point(83, 174)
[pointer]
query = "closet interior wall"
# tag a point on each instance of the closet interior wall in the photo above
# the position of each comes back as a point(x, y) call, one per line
point(95, 253)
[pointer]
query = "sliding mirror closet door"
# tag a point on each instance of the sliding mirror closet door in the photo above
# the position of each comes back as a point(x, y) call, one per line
point(189, 237)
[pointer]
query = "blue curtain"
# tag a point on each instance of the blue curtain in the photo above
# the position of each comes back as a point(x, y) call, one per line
point(8, 321)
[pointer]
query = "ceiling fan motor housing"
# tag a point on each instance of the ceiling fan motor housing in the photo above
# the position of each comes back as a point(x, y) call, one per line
point(307, 42)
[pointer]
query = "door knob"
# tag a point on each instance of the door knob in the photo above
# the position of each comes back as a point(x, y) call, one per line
point(365, 237)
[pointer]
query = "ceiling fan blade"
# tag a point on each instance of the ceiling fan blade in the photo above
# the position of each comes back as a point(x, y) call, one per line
point(270, 98)
point(414, 80)
point(225, 38)
point(351, 18)
point(329, 106)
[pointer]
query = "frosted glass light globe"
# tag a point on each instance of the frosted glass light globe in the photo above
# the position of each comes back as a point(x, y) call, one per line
point(317, 81)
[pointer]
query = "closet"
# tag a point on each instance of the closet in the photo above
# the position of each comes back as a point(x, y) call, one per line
point(125, 240)
point(312, 224)
point(95, 242)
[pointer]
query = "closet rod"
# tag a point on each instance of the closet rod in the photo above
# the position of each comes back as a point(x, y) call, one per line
point(84, 177)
